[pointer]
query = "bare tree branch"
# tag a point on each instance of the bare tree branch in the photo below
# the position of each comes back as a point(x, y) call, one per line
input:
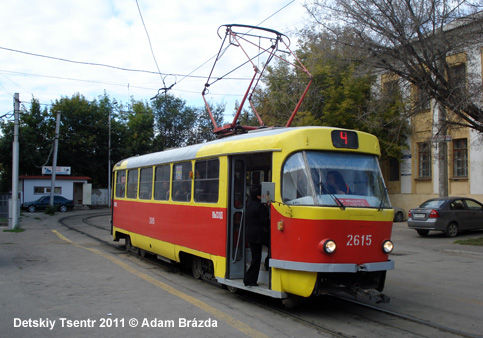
point(414, 40)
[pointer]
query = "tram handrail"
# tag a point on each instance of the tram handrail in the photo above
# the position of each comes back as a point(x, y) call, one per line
point(242, 224)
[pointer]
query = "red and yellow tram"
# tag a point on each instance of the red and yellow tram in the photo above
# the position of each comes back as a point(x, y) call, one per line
point(188, 205)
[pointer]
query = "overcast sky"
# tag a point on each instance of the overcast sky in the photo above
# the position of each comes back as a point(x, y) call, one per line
point(183, 35)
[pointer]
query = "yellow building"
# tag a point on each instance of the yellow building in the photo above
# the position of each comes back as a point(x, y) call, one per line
point(415, 178)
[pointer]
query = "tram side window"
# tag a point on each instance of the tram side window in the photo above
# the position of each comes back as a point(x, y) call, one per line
point(182, 181)
point(121, 184)
point(207, 181)
point(132, 183)
point(161, 183)
point(146, 184)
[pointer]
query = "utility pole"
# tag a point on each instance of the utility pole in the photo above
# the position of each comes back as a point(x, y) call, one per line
point(15, 155)
point(109, 162)
point(54, 162)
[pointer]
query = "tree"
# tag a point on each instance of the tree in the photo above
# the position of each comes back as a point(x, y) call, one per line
point(204, 126)
point(278, 99)
point(140, 129)
point(174, 122)
point(340, 95)
point(36, 132)
point(84, 137)
point(411, 39)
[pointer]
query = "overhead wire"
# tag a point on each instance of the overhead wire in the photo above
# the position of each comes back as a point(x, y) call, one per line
point(162, 75)
point(214, 56)
point(150, 45)
point(276, 12)
point(82, 62)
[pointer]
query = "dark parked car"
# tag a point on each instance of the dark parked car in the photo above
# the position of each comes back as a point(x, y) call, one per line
point(61, 203)
point(449, 215)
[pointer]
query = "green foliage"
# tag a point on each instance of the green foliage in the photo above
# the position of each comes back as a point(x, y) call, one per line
point(13, 230)
point(277, 101)
point(472, 241)
point(83, 137)
point(204, 126)
point(50, 210)
point(174, 122)
point(340, 94)
point(139, 128)
point(36, 131)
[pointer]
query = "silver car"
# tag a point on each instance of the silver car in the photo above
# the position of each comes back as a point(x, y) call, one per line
point(399, 214)
point(449, 215)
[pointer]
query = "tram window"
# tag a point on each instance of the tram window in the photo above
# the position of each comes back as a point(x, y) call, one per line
point(207, 181)
point(182, 182)
point(295, 181)
point(161, 183)
point(132, 183)
point(333, 179)
point(146, 184)
point(121, 184)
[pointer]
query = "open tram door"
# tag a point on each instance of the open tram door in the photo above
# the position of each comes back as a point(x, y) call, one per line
point(236, 225)
point(245, 170)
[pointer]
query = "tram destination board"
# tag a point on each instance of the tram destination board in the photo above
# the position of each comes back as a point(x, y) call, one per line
point(345, 139)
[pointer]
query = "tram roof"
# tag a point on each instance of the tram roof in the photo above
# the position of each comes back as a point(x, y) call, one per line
point(255, 141)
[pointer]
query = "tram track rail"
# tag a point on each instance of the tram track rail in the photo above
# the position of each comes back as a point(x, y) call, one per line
point(85, 220)
point(440, 330)
point(412, 319)
point(120, 247)
point(273, 305)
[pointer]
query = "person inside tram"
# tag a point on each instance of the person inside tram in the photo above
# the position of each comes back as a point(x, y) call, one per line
point(336, 183)
point(257, 233)
point(182, 194)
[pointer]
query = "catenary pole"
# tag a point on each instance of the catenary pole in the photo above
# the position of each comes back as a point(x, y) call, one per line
point(15, 156)
point(109, 162)
point(54, 162)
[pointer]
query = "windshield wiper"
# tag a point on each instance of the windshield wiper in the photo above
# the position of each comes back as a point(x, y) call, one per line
point(337, 201)
point(383, 200)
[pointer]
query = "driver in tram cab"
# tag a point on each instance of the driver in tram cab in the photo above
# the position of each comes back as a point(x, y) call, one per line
point(336, 183)
point(257, 233)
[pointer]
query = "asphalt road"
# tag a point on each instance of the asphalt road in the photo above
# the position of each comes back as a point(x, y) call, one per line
point(56, 282)
point(437, 280)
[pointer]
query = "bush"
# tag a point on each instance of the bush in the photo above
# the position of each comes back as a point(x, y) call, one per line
point(50, 210)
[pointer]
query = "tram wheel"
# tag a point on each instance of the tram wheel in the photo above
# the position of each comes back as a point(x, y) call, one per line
point(196, 267)
point(127, 244)
point(231, 289)
point(129, 247)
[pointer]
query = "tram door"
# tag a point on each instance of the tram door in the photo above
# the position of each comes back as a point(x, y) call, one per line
point(236, 226)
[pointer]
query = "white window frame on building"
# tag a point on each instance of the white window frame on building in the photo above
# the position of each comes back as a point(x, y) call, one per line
point(460, 157)
point(424, 159)
point(46, 190)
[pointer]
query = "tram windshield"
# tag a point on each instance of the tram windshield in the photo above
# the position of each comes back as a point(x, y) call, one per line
point(334, 179)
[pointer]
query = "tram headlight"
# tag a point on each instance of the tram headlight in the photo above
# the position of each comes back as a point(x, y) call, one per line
point(387, 246)
point(328, 246)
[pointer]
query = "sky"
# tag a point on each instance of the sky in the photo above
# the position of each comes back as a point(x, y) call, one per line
point(38, 36)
